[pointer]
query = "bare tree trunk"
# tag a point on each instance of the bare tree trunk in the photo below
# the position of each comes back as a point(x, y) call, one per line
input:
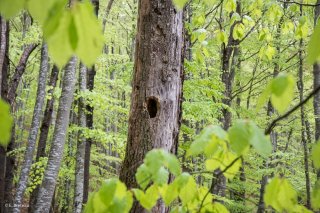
point(9, 94)
point(44, 129)
point(89, 121)
point(155, 113)
point(270, 112)
point(303, 126)
point(50, 176)
point(89, 118)
point(41, 93)
point(80, 154)
point(4, 39)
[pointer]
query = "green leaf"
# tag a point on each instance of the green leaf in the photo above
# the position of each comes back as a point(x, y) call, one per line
point(280, 195)
point(89, 30)
point(259, 140)
point(172, 163)
point(282, 90)
point(239, 137)
point(231, 6)
point(189, 191)
point(56, 33)
point(169, 193)
point(113, 197)
point(154, 160)
point(313, 46)
point(40, 9)
point(161, 177)
point(10, 8)
point(315, 155)
point(205, 138)
point(6, 122)
point(73, 35)
point(179, 3)
point(143, 176)
point(222, 37)
point(149, 199)
point(315, 196)
point(238, 31)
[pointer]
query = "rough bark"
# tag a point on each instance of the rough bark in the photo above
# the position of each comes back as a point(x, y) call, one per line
point(50, 176)
point(154, 118)
point(41, 93)
point(80, 154)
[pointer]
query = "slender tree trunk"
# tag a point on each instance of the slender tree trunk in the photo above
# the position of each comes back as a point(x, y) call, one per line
point(50, 176)
point(41, 93)
point(19, 71)
point(44, 129)
point(90, 85)
point(80, 154)
point(303, 122)
point(9, 91)
point(155, 113)
point(66, 197)
point(3, 40)
point(270, 112)
point(4, 66)
point(89, 121)
point(230, 52)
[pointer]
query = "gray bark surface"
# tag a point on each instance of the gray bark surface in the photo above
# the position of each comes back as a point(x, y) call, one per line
point(41, 93)
point(79, 170)
point(51, 174)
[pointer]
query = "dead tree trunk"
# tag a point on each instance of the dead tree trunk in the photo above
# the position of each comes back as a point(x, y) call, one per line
point(154, 119)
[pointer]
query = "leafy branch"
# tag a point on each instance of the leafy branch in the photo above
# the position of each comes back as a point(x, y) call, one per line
point(304, 101)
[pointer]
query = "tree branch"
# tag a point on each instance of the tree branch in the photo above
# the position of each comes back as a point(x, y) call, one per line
point(301, 4)
point(304, 101)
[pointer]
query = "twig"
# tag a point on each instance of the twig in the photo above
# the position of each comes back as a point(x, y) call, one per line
point(304, 101)
point(301, 4)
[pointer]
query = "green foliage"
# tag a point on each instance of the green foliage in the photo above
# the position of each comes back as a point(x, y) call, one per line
point(315, 196)
point(245, 133)
point(281, 90)
point(313, 46)
point(315, 155)
point(6, 122)
point(155, 168)
point(112, 197)
point(81, 28)
point(282, 197)
point(37, 173)
point(180, 3)
point(10, 8)
point(68, 32)
point(41, 10)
